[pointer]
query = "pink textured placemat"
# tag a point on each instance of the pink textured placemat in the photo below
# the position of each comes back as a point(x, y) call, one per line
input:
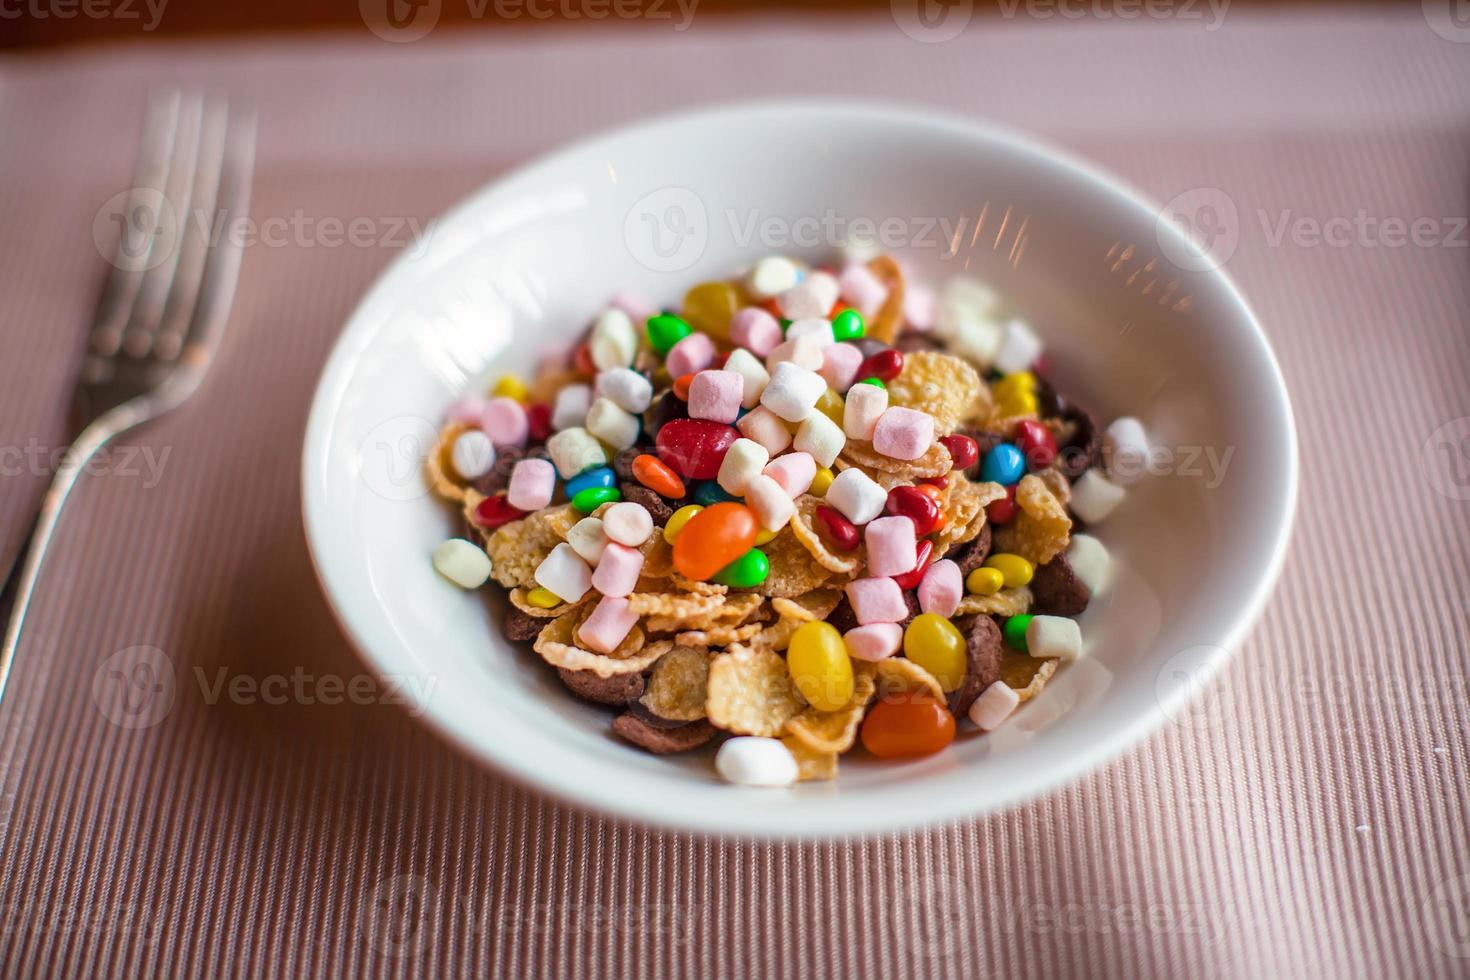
point(1307, 819)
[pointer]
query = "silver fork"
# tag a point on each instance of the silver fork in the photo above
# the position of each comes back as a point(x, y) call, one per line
point(165, 304)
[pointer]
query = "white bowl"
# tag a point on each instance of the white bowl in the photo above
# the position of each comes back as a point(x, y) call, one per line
point(1137, 322)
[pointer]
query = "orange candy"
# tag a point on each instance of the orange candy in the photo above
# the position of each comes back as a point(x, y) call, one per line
point(653, 474)
point(714, 538)
point(681, 386)
point(907, 724)
point(937, 495)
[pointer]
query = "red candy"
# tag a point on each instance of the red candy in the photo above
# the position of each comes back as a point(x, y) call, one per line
point(681, 386)
point(1036, 444)
point(538, 418)
point(494, 511)
point(934, 481)
point(582, 360)
point(907, 724)
point(963, 449)
point(884, 365)
point(695, 448)
point(840, 531)
point(1001, 511)
point(916, 505)
point(925, 554)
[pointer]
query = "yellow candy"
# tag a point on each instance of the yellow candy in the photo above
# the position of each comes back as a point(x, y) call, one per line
point(819, 665)
point(708, 308)
point(1018, 403)
point(1016, 570)
point(764, 537)
point(985, 581)
point(1015, 384)
point(678, 519)
point(821, 482)
point(832, 406)
point(937, 645)
point(543, 598)
point(510, 386)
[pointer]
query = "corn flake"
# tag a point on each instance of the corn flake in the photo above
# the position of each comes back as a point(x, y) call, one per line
point(899, 675)
point(1041, 528)
point(1006, 602)
point(750, 692)
point(557, 646)
point(811, 765)
point(679, 685)
point(885, 324)
point(835, 731)
point(804, 527)
point(888, 472)
point(438, 468)
point(720, 636)
point(1026, 675)
point(517, 549)
point(791, 569)
point(808, 608)
point(944, 386)
point(518, 599)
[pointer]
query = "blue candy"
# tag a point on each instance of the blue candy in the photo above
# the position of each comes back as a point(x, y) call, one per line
point(1004, 465)
point(711, 492)
point(602, 476)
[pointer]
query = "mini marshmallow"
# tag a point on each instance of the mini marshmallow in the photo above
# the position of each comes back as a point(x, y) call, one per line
point(634, 305)
point(861, 289)
point(588, 539)
point(618, 569)
point(1125, 450)
point(752, 760)
point(564, 574)
point(504, 421)
point(608, 422)
point(812, 327)
point(865, 405)
point(874, 642)
point(466, 410)
point(614, 340)
point(743, 460)
point(918, 308)
point(716, 395)
point(608, 624)
point(840, 365)
point(793, 391)
point(570, 410)
point(903, 433)
point(753, 375)
point(892, 549)
point(1054, 637)
point(772, 276)
point(977, 339)
point(942, 588)
point(1019, 349)
point(462, 562)
point(993, 706)
point(794, 471)
point(763, 426)
point(627, 523)
point(877, 600)
point(625, 388)
point(472, 455)
point(755, 328)
point(772, 505)
point(962, 299)
point(532, 484)
point(1090, 562)
point(805, 351)
point(694, 353)
point(821, 437)
point(574, 451)
point(812, 297)
point(1094, 497)
point(857, 496)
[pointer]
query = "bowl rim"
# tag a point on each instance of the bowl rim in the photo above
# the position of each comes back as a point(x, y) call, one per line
point(356, 334)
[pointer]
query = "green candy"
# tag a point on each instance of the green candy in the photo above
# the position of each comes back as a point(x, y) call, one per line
point(875, 382)
point(747, 571)
point(592, 498)
point(1014, 631)
point(666, 330)
point(848, 325)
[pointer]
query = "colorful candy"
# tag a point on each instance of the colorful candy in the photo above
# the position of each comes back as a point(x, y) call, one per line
point(924, 554)
point(493, 512)
point(914, 504)
point(884, 365)
point(745, 572)
point(1038, 446)
point(1015, 570)
point(838, 530)
point(1002, 511)
point(594, 497)
point(601, 476)
point(820, 667)
point(656, 476)
point(538, 422)
point(937, 645)
point(542, 598)
point(1013, 630)
point(695, 448)
point(962, 449)
point(985, 581)
point(666, 330)
point(821, 482)
point(848, 324)
point(907, 725)
point(713, 538)
point(678, 519)
point(1004, 464)
point(709, 306)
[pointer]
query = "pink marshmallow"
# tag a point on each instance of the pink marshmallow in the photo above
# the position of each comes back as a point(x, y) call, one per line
point(772, 505)
point(694, 353)
point(877, 600)
point(840, 365)
point(942, 588)
point(532, 483)
point(862, 290)
point(756, 330)
point(763, 426)
point(607, 625)
point(794, 472)
point(902, 433)
point(891, 546)
point(863, 407)
point(617, 570)
point(805, 351)
point(874, 642)
point(467, 410)
point(918, 308)
point(505, 422)
point(635, 306)
point(716, 395)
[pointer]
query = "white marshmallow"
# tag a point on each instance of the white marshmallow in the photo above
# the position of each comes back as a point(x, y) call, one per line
point(626, 388)
point(812, 327)
point(588, 539)
point(750, 760)
point(964, 299)
point(753, 375)
point(977, 339)
point(993, 706)
point(821, 437)
point(627, 523)
point(772, 276)
point(1019, 349)
point(743, 460)
point(462, 563)
point(608, 422)
point(865, 403)
point(812, 297)
point(1054, 637)
point(857, 495)
point(575, 450)
point(1090, 562)
point(571, 407)
point(793, 392)
point(765, 427)
point(1094, 497)
point(564, 574)
point(1125, 450)
point(772, 505)
point(473, 454)
point(805, 351)
point(614, 340)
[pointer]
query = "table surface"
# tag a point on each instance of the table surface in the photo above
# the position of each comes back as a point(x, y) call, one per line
point(1307, 819)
